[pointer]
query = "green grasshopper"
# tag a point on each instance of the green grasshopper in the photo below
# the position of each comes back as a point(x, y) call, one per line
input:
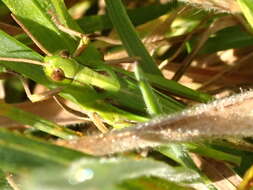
point(81, 82)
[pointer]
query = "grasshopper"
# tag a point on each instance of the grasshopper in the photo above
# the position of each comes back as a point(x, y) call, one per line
point(81, 81)
point(92, 90)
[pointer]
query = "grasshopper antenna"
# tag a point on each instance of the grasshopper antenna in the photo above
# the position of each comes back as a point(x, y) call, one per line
point(21, 60)
point(38, 44)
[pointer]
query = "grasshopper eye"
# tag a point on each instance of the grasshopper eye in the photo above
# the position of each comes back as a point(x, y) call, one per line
point(58, 74)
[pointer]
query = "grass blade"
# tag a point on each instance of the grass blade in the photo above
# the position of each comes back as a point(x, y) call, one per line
point(18, 153)
point(35, 121)
point(129, 37)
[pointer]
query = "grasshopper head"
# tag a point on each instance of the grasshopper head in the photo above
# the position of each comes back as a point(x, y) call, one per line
point(60, 69)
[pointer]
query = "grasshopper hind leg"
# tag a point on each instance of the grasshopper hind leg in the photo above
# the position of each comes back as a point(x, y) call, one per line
point(94, 117)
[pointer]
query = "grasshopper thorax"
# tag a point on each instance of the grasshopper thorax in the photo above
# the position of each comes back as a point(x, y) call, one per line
point(59, 69)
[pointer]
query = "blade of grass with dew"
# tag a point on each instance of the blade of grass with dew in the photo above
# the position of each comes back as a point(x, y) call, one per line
point(247, 10)
point(35, 121)
point(22, 155)
point(138, 16)
point(97, 174)
point(19, 153)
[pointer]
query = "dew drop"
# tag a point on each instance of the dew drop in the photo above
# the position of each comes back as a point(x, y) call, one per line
point(81, 175)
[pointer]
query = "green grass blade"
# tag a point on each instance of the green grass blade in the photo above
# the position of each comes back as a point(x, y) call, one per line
point(151, 101)
point(36, 18)
point(145, 183)
point(18, 153)
point(178, 89)
point(210, 152)
point(129, 37)
point(35, 121)
point(228, 38)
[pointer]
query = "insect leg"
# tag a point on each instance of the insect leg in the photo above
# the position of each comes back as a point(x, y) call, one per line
point(39, 96)
point(68, 109)
point(87, 117)
point(85, 39)
point(98, 122)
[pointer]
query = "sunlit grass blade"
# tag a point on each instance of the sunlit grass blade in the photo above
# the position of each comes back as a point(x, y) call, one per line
point(247, 10)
